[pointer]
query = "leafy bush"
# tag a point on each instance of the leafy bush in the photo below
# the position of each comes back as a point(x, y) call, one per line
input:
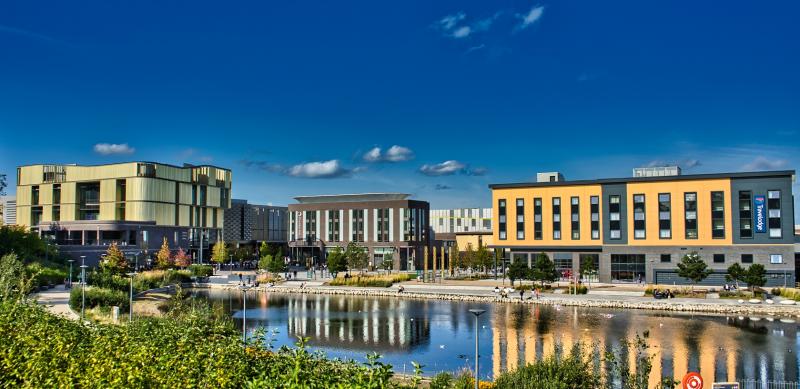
point(582, 289)
point(198, 270)
point(264, 278)
point(43, 276)
point(382, 281)
point(108, 280)
point(159, 278)
point(41, 350)
point(787, 293)
point(99, 297)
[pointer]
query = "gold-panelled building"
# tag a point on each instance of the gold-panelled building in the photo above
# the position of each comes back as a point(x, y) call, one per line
point(637, 229)
point(84, 209)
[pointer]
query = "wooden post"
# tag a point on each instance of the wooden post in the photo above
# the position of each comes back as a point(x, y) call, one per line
point(442, 267)
point(434, 264)
point(450, 261)
point(425, 264)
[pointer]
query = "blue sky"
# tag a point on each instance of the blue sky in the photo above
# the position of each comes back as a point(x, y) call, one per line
point(295, 97)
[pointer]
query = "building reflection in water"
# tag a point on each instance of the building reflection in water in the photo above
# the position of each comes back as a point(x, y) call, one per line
point(439, 334)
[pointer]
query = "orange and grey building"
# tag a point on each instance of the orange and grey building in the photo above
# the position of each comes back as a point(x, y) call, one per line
point(639, 228)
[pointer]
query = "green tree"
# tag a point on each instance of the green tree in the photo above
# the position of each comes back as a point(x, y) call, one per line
point(264, 250)
point(458, 258)
point(356, 256)
point(469, 257)
point(219, 253)
point(14, 283)
point(163, 257)
point(483, 257)
point(735, 274)
point(337, 262)
point(518, 270)
point(27, 245)
point(114, 261)
point(2, 184)
point(693, 268)
point(388, 262)
point(544, 269)
point(275, 264)
point(755, 276)
point(587, 267)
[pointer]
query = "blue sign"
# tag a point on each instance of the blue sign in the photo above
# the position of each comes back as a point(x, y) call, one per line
point(760, 213)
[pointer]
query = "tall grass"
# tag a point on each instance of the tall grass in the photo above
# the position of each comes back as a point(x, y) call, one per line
point(381, 281)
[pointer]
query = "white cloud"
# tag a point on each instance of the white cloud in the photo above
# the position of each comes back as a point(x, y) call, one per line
point(113, 149)
point(475, 48)
point(530, 17)
point(445, 168)
point(393, 154)
point(764, 163)
point(462, 32)
point(323, 169)
point(450, 21)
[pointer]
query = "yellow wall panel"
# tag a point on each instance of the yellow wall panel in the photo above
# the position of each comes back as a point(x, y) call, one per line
point(173, 173)
point(47, 213)
point(676, 189)
point(24, 196)
point(23, 215)
point(108, 190)
point(150, 189)
point(69, 193)
point(46, 194)
point(213, 197)
point(583, 192)
point(183, 217)
point(185, 193)
point(107, 211)
point(95, 173)
point(68, 212)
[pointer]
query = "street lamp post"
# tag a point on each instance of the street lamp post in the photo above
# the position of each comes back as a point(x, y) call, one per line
point(130, 304)
point(70, 272)
point(83, 287)
point(244, 289)
point(476, 312)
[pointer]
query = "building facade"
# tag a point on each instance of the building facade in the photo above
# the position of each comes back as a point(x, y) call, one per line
point(84, 209)
point(384, 223)
point(252, 224)
point(8, 209)
point(640, 228)
point(451, 221)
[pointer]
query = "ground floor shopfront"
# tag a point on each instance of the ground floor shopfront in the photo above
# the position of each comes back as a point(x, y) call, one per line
point(404, 257)
point(651, 264)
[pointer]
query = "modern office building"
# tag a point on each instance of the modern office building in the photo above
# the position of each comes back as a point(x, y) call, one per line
point(640, 227)
point(451, 221)
point(8, 209)
point(251, 224)
point(384, 223)
point(137, 204)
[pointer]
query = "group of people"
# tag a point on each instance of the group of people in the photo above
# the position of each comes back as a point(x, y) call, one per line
point(729, 288)
point(505, 292)
point(663, 294)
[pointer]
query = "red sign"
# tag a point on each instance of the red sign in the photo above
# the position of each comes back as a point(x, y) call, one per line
point(692, 380)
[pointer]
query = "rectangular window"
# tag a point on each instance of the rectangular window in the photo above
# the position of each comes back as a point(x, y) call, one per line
point(774, 213)
point(357, 225)
point(333, 225)
point(311, 226)
point(639, 228)
point(57, 194)
point(745, 214)
point(690, 214)
point(556, 218)
point(614, 224)
point(666, 258)
point(719, 258)
point(537, 218)
point(594, 209)
point(575, 223)
point(520, 219)
point(717, 215)
point(501, 223)
point(383, 224)
point(35, 195)
point(776, 258)
point(747, 258)
point(664, 216)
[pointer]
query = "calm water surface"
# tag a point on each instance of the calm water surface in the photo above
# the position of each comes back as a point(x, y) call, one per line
point(441, 334)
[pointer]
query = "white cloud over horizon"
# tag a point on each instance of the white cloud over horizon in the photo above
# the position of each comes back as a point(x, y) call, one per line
point(113, 149)
point(530, 17)
point(392, 154)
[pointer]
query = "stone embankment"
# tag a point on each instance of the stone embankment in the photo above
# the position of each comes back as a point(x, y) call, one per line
point(585, 301)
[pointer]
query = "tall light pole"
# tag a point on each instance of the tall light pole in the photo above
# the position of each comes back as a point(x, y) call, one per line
point(244, 289)
point(70, 272)
point(476, 312)
point(130, 304)
point(83, 287)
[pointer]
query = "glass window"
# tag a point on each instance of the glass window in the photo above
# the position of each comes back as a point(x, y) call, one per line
point(690, 215)
point(520, 219)
point(717, 215)
point(614, 225)
point(747, 258)
point(665, 258)
point(556, 218)
point(719, 258)
point(776, 258)
point(501, 210)
point(537, 218)
point(594, 209)
point(575, 224)
point(745, 215)
point(639, 226)
point(774, 213)
point(664, 216)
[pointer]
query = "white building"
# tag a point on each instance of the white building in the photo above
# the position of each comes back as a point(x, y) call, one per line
point(8, 210)
point(446, 221)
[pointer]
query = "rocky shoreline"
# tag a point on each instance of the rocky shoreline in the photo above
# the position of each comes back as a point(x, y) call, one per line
point(661, 305)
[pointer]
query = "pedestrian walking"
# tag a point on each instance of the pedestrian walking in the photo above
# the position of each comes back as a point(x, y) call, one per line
point(521, 294)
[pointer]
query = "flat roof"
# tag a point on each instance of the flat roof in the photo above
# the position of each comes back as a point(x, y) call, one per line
point(351, 198)
point(686, 177)
point(186, 166)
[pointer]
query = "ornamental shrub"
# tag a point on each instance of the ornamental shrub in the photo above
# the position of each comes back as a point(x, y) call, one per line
point(96, 296)
point(198, 270)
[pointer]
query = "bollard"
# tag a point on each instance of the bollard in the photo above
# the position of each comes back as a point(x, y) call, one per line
point(115, 314)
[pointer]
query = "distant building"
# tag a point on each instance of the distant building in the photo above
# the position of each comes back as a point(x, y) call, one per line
point(8, 210)
point(386, 224)
point(252, 224)
point(451, 221)
point(83, 209)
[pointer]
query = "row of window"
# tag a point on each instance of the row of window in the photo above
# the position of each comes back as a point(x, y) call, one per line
point(773, 218)
point(357, 223)
point(720, 258)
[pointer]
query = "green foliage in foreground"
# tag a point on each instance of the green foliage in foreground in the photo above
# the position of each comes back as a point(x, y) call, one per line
point(41, 350)
point(99, 297)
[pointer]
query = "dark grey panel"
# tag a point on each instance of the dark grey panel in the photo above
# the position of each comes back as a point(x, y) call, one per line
point(621, 190)
point(760, 186)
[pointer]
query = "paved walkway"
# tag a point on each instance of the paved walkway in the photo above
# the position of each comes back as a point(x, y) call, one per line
point(56, 300)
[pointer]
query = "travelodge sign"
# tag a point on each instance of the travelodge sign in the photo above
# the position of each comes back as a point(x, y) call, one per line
point(760, 213)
